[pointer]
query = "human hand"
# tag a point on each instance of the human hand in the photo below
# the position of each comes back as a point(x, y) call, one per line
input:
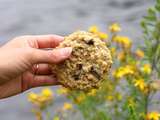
point(25, 63)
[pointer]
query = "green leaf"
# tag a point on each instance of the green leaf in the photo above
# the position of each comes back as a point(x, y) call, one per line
point(100, 115)
point(158, 1)
point(157, 7)
point(143, 24)
point(151, 12)
point(150, 18)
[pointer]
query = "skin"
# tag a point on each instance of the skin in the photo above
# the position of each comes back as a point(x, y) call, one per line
point(19, 60)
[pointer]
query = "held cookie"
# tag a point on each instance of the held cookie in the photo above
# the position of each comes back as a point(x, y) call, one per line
point(88, 64)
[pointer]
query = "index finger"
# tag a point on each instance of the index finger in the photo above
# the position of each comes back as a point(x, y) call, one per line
point(48, 41)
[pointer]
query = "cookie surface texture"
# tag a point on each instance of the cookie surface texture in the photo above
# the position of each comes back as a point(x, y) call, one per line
point(88, 64)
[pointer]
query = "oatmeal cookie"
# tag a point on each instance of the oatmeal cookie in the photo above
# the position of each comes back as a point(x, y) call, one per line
point(88, 64)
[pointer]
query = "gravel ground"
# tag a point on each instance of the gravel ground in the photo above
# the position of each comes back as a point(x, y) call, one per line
point(22, 17)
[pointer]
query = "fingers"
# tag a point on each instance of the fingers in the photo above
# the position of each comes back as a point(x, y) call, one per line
point(42, 80)
point(49, 56)
point(35, 41)
point(30, 80)
point(41, 69)
point(48, 41)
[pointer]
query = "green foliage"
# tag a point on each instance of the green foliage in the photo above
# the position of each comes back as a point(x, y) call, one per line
point(151, 30)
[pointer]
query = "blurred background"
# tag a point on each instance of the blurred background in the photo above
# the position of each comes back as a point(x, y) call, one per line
point(23, 17)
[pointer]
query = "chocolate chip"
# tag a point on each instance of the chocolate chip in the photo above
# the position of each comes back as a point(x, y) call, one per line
point(79, 66)
point(90, 42)
point(76, 77)
point(77, 74)
point(95, 72)
point(95, 86)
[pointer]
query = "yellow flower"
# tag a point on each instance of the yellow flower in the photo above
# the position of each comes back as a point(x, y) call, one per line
point(115, 27)
point(47, 93)
point(139, 83)
point(42, 99)
point(131, 102)
point(153, 116)
point(128, 69)
point(38, 114)
point(126, 42)
point(92, 92)
point(123, 40)
point(102, 35)
point(118, 96)
point(62, 90)
point(93, 29)
point(124, 70)
point(32, 97)
point(121, 56)
point(117, 74)
point(139, 53)
point(80, 98)
point(146, 68)
point(56, 118)
point(67, 106)
point(113, 51)
point(109, 98)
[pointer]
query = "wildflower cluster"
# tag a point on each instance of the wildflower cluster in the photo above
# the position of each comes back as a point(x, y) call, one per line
point(129, 87)
point(95, 30)
point(129, 92)
point(41, 100)
point(44, 100)
point(153, 116)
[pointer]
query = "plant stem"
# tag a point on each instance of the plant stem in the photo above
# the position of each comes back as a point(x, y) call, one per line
point(146, 104)
point(48, 115)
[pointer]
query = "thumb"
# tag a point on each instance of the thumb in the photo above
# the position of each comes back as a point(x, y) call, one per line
point(50, 56)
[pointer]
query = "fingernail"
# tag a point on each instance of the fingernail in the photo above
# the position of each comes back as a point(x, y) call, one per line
point(66, 52)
